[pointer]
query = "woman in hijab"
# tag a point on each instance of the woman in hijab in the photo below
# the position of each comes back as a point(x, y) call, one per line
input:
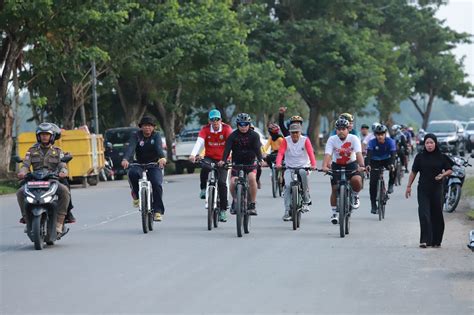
point(433, 166)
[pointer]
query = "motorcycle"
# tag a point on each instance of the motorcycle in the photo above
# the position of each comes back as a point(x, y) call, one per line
point(41, 206)
point(107, 173)
point(471, 240)
point(453, 184)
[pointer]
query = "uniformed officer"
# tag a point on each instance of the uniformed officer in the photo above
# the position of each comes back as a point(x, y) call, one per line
point(45, 155)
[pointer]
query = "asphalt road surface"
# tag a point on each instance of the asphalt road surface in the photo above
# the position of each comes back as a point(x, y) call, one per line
point(107, 265)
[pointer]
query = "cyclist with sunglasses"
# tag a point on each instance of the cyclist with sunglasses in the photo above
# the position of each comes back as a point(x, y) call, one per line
point(344, 150)
point(350, 119)
point(213, 137)
point(246, 147)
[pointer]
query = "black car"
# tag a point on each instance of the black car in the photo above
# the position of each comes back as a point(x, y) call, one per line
point(116, 143)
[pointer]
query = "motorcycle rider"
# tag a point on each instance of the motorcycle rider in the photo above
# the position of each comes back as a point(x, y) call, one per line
point(213, 137)
point(44, 155)
point(146, 145)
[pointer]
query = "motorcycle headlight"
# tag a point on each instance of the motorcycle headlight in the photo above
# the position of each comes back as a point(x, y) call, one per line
point(29, 199)
point(47, 199)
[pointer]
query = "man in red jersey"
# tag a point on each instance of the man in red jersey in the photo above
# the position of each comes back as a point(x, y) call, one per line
point(213, 137)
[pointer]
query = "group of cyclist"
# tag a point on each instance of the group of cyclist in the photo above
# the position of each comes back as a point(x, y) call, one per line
point(289, 149)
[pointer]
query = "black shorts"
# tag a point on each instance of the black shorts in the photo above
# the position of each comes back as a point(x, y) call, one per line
point(247, 170)
point(349, 168)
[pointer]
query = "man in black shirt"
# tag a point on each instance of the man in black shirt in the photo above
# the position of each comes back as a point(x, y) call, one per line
point(146, 144)
point(245, 146)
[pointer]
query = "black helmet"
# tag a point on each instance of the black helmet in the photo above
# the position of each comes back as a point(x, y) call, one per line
point(147, 120)
point(243, 117)
point(46, 128)
point(342, 123)
point(380, 129)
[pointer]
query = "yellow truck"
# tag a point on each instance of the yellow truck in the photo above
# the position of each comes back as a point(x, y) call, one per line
point(86, 149)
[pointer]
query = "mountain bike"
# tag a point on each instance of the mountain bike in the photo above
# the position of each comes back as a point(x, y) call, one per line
point(212, 193)
point(344, 198)
point(382, 195)
point(242, 196)
point(145, 196)
point(296, 205)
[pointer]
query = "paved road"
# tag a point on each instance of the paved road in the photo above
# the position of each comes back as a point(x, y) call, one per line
point(107, 265)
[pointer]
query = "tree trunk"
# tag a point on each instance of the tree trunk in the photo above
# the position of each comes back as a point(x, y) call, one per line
point(167, 123)
point(131, 96)
point(314, 123)
point(429, 107)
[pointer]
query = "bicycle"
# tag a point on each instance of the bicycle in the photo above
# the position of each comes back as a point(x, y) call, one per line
point(212, 194)
point(382, 195)
point(145, 196)
point(296, 205)
point(344, 198)
point(398, 171)
point(277, 180)
point(242, 199)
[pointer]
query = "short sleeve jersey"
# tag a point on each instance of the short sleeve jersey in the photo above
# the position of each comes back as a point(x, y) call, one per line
point(381, 151)
point(214, 142)
point(343, 152)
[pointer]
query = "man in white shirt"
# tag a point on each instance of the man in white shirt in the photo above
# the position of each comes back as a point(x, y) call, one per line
point(344, 150)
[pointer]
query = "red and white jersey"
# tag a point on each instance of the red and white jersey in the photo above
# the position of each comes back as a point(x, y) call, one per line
point(343, 152)
point(299, 154)
point(214, 141)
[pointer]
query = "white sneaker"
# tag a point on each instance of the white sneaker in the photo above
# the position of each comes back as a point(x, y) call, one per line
point(305, 208)
point(286, 216)
point(334, 218)
point(355, 202)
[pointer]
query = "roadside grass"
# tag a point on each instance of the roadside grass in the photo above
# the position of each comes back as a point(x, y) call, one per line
point(468, 192)
point(8, 186)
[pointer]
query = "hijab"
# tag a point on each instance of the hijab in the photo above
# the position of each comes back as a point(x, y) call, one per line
point(436, 151)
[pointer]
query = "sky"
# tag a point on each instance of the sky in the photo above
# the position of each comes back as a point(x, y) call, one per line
point(459, 15)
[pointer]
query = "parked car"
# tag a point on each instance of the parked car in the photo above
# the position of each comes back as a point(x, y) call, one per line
point(469, 132)
point(182, 150)
point(116, 143)
point(450, 134)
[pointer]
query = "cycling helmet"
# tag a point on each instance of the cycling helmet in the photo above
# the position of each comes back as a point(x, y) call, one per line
point(402, 126)
point(273, 128)
point(380, 129)
point(396, 128)
point(45, 128)
point(342, 123)
point(243, 118)
point(374, 125)
point(347, 116)
point(296, 119)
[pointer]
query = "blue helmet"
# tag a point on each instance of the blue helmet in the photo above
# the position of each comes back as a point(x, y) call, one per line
point(214, 114)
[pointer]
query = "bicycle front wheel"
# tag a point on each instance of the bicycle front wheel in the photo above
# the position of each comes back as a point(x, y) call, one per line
point(294, 206)
point(341, 206)
point(239, 205)
point(274, 182)
point(144, 211)
point(211, 190)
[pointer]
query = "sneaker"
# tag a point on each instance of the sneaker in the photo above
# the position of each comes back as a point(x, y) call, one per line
point(22, 220)
point(222, 216)
point(374, 209)
point(70, 218)
point(59, 228)
point(251, 209)
point(157, 217)
point(305, 208)
point(390, 189)
point(202, 194)
point(286, 216)
point(232, 208)
point(355, 202)
point(334, 218)
point(135, 203)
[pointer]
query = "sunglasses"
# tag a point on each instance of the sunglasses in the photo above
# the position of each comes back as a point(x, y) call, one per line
point(243, 124)
point(215, 119)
